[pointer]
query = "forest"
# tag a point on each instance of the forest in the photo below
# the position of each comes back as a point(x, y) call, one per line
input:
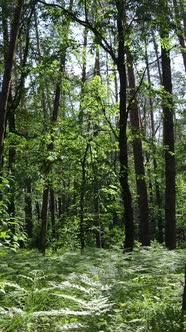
point(92, 165)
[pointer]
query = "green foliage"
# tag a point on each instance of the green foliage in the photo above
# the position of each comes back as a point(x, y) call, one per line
point(8, 237)
point(98, 291)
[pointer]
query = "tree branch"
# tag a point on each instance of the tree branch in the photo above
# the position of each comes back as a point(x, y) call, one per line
point(86, 23)
point(110, 124)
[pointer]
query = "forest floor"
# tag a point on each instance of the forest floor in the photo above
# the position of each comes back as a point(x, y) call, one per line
point(99, 291)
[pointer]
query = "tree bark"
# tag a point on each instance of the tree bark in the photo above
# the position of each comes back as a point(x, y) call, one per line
point(123, 148)
point(8, 71)
point(170, 170)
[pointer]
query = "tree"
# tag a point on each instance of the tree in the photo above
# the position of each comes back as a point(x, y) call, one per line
point(144, 235)
point(157, 217)
point(179, 16)
point(8, 70)
point(168, 127)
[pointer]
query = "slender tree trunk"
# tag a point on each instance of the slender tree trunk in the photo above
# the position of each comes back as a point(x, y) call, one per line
point(60, 207)
point(97, 62)
point(48, 187)
point(84, 73)
point(184, 295)
point(84, 57)
point(82, 196)
point(83, 162)
point(43, 97)
point(5, 15)
point(157, 56)
point(11, 167)
point(44, 221)
point(183, 15)
point(52, 212)
point(170, 171)
point(28, 208)
point(8, 71)
point(38, 213)
point(180, 30)
point(98, 231)
point(98, 227)
point(123, 148)
point(144, 236)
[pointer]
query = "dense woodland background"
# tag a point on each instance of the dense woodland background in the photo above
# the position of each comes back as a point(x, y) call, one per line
point(92, 166)
point(92, 123)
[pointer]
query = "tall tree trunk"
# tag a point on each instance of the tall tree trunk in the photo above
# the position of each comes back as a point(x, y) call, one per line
point(46, 189)
point(144, 236)
point(155, 166)
point(8, 71)
point(98, 231)
point(170, 171)
point(82, 196)
point(123, 148)
point(11, 167)
point(83, 162)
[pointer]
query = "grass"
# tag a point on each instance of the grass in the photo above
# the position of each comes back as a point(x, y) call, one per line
point(95, 292)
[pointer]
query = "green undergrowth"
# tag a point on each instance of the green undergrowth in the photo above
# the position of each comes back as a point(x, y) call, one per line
point(103, 290)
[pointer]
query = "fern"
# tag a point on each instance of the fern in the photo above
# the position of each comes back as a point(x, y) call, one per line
point(99, 291)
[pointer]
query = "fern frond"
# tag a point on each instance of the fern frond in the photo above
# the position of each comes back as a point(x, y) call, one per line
point(73, 326)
